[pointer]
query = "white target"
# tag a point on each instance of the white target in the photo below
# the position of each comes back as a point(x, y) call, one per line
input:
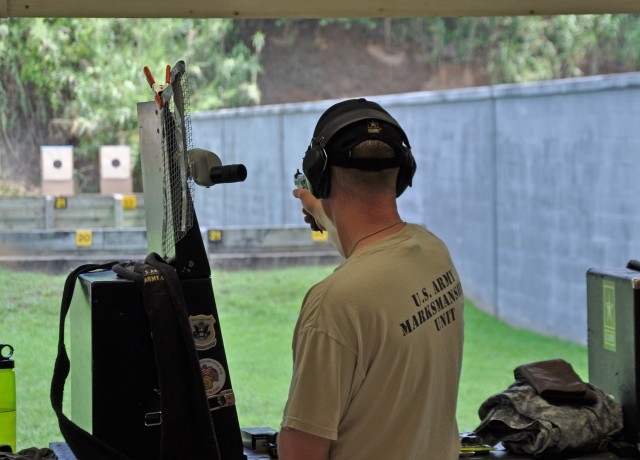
point(115, 162)
point(57, 163)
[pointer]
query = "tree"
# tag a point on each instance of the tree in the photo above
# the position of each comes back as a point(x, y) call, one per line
point(77, 81)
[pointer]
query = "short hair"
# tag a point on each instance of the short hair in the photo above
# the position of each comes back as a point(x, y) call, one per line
point(371, 181)
point(372, 148)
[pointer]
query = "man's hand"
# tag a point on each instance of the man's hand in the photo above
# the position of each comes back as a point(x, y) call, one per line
point(297, 445)
point(312, 207)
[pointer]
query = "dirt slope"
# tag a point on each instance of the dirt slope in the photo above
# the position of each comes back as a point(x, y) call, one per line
point(312, 63)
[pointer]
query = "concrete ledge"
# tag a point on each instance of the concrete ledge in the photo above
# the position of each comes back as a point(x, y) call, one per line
point(273, 260)
point(103, 241)
point(264, 239)
point(85, 242)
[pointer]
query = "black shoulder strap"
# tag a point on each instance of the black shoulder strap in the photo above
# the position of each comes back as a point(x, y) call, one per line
point(83, 444)
point(187, 427)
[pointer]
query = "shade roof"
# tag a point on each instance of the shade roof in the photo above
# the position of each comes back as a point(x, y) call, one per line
point(307, 8)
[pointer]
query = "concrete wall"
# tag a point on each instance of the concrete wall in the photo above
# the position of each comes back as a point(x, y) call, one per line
point(529, 185)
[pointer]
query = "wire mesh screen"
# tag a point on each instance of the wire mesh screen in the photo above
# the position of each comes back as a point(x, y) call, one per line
point(176, 142)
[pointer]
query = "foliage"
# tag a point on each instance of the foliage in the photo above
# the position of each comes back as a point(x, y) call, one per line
point(519, 48)
point(77, 81)
point(83, 77)
point(9, 187)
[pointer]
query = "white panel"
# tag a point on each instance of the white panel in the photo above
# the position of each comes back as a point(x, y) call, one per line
point(115, 162)
point(57, 162)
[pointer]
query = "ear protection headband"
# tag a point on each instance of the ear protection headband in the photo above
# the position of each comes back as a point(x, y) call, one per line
point(315, 164)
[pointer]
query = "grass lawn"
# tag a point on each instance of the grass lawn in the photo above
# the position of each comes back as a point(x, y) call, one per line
point(258, 310)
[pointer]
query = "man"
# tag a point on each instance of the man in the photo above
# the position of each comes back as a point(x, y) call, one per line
point(377, 348)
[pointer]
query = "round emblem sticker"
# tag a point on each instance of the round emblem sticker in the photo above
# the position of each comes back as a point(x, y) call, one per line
point(213, 375)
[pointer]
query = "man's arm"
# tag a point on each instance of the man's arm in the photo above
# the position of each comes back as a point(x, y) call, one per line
point(297, 445)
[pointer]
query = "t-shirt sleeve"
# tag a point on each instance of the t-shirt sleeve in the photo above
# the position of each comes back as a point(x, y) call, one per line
point(323, 378)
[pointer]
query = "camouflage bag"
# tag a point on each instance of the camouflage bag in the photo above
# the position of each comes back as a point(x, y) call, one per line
point(526, 423)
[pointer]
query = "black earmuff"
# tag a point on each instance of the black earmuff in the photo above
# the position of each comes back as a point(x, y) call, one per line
point(315, 167)
point(315, 164)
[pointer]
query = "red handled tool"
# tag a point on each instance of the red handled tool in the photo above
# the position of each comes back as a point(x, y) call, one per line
point(157, 88)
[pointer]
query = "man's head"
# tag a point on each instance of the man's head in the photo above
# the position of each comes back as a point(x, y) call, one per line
point(358, 135)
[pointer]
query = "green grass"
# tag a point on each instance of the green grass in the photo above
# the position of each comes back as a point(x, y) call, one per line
point(258, 310)
point(29, 312)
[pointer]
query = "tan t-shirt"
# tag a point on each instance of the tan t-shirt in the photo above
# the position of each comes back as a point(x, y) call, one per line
point(377, 353)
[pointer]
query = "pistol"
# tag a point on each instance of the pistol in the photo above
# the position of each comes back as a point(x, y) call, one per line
point(301, 182)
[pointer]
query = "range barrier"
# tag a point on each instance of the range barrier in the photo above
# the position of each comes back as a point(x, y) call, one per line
point(59, 251)
point(64, 212)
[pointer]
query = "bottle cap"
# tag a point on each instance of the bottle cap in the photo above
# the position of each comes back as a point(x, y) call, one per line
point(6, 351)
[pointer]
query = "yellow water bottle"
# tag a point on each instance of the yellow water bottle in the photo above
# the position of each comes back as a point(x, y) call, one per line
point(7, 397)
